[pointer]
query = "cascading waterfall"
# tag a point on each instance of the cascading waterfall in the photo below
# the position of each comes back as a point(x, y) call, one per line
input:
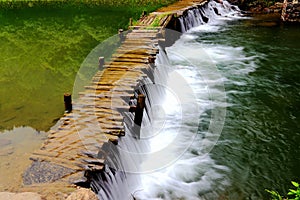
point(171, 159)
point(123, 161)
point(207, 13)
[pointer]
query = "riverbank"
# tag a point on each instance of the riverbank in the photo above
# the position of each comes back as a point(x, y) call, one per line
point(261, 8)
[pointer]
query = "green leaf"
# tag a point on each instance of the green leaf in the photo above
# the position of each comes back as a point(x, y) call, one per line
point(291, 193)
point(275, 195)
point(295, 184)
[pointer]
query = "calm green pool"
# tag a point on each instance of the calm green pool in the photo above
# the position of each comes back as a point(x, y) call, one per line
point(41, 49)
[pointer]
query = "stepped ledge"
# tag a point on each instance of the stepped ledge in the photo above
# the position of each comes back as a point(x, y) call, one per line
point(71, 149)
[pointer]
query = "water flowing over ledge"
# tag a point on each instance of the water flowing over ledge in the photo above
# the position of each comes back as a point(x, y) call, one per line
point(154, 165)
point(88, 148)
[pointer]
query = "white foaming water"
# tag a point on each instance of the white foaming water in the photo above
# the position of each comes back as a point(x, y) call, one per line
point(172, 159)
point(187, 170)
point(199, 90)
point(209, 13)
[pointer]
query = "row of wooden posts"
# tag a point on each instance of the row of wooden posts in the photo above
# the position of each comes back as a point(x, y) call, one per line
point(138, 111)
point(140, 100)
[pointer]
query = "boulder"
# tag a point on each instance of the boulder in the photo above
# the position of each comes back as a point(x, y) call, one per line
point(83, 194)
point(279, 5)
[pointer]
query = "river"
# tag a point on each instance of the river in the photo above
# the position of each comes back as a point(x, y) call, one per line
point(260, 139)
point(234, 121)
point(247, 137)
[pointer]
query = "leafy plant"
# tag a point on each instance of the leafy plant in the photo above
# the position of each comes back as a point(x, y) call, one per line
point(274, 194)
point(295, 193)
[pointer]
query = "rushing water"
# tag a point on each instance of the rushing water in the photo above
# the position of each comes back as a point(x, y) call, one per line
point(260, 139)
point(231, 64)
point(259, 145)
point(248, 69)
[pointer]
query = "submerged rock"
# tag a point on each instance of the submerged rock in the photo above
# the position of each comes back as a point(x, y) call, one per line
point(4, 142)
point(44, 172)
point(5, 147)
point(5, 151)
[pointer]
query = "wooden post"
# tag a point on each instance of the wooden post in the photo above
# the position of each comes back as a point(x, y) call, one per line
point(101, 62)
point(139, 109)
point(144, 13)
point(130, 22)
point(151, 59)
point(121, 35)
point(68, 102)
point(162, 43)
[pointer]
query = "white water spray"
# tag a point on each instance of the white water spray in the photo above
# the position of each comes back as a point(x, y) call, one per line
point(171, 160)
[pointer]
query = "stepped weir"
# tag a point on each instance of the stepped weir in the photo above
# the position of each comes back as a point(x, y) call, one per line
point(82, 149)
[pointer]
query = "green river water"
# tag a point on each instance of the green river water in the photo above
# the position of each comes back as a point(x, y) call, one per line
point(41, 51)
point(261, 135)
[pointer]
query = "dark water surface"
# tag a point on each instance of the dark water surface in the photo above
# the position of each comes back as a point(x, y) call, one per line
point(261, 135)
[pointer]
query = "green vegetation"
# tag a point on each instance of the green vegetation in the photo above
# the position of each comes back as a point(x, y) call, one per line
point(294, 193)
point(43, 44)
point(156, 22)
point(137, 4)
point(246, 4)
